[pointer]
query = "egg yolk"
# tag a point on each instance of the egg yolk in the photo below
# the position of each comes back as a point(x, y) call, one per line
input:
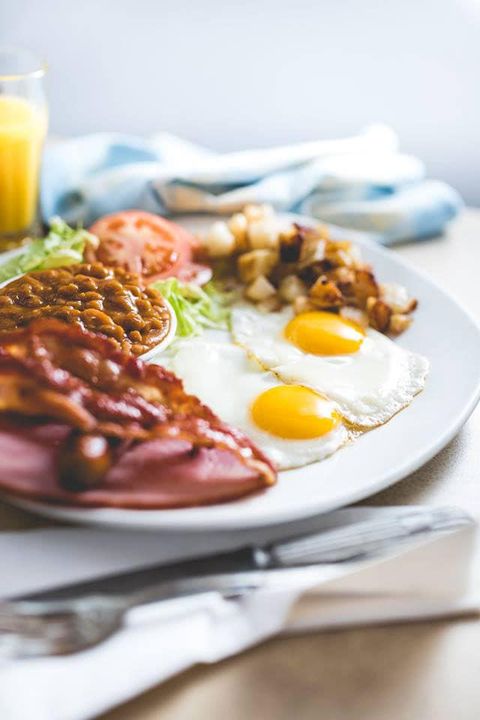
point(323, 333)
point(294, 412)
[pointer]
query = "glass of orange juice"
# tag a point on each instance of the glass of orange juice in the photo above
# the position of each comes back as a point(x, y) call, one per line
point(23, 126)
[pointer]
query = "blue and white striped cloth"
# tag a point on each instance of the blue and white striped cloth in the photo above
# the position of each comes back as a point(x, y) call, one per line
point(361, 183)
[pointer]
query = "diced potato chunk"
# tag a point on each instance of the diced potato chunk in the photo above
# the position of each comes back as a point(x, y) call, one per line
point(365, 287)
point(379, 314)
point(260, 289)
point(257, 212)
point(356, 256)
point(343, 275)
point(255, 263)
point(313, 250)
point(399, 323)
point(291, 287)
point(396, 296)
point(339, 257)
point(238, 226)
point(263, 234)
point(219, 241)
point(325, 294)
point(302, 304)
point(345, 280)
point(291, 243)
point(356, 315)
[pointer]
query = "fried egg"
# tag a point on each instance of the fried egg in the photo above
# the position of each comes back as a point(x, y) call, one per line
point(369, 377)
point(293, 425)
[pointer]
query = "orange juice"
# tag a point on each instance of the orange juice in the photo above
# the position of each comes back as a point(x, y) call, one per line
point(22, 132)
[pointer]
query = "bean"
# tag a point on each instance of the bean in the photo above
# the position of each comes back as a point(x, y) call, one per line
point(69, 291)
point(96, 317)
point(133, 322)
point(85, 283)
point(134, 290)
point(95, 304)
point(114, 331)
point(86, 297)
point(144, 306)
point(112, 287)
point(99, 271)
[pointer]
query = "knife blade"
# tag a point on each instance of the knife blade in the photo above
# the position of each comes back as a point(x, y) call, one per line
point(245, 565)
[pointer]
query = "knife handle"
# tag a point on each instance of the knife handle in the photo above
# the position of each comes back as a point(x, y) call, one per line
point(362, 538)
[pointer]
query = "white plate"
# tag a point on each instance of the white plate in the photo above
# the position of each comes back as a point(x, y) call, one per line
point(443, 332)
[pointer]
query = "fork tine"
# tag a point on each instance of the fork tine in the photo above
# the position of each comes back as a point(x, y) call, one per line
point(31, 629)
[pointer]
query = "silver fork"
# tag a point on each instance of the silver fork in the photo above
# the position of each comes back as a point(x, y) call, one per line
point(33, 627)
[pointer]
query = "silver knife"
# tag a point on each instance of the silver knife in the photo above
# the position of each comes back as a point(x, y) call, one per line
point(77, 616)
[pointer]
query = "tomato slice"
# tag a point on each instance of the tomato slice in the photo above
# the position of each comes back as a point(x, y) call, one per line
point(146, 244)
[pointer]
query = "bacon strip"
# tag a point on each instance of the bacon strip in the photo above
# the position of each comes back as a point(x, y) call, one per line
point(165, 448)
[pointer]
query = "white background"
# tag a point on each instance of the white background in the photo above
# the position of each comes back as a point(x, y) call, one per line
point(259, 72)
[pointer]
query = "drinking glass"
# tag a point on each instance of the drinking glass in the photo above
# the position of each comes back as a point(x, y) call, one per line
point(23, 126)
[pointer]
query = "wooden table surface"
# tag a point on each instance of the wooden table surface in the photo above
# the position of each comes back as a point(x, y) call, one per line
point(421, 671)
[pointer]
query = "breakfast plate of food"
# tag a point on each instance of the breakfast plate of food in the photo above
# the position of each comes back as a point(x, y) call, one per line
point(221, 374)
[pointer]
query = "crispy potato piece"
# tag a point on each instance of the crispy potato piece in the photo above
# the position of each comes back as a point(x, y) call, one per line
point(398, 323)
point(355, 315)
point(379, 314)
point(325, 294)
point(338, 253)
point(264, 234)
point(219, 241)
point(344, 254)
point(312, 251)
point(302, 304)
point(291, 244)
point(255, 263)
point(344, 278)
point(257, 212)
point(282, 271)
point(238, 226)
point(342, 275)
point(365, 287)
point(291, 287)
point(260, 289)
point(396, 296)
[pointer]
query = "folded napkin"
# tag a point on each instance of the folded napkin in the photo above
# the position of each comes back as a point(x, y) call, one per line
point(429, 577)
point(362, 182)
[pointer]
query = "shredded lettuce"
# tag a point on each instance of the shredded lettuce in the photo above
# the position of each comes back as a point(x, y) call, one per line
point(196, 308)
point(62, 246)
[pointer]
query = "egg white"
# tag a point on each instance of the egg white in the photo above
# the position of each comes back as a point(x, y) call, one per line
point(225, 379)
point(369, 386)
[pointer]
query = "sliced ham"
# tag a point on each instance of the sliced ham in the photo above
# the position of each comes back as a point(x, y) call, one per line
point(64, 390)
point(153, 474)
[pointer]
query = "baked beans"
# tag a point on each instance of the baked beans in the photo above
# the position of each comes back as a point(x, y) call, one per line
point(107, 300)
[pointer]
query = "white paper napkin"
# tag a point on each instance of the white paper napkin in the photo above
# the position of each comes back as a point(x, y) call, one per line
point(429, 578)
